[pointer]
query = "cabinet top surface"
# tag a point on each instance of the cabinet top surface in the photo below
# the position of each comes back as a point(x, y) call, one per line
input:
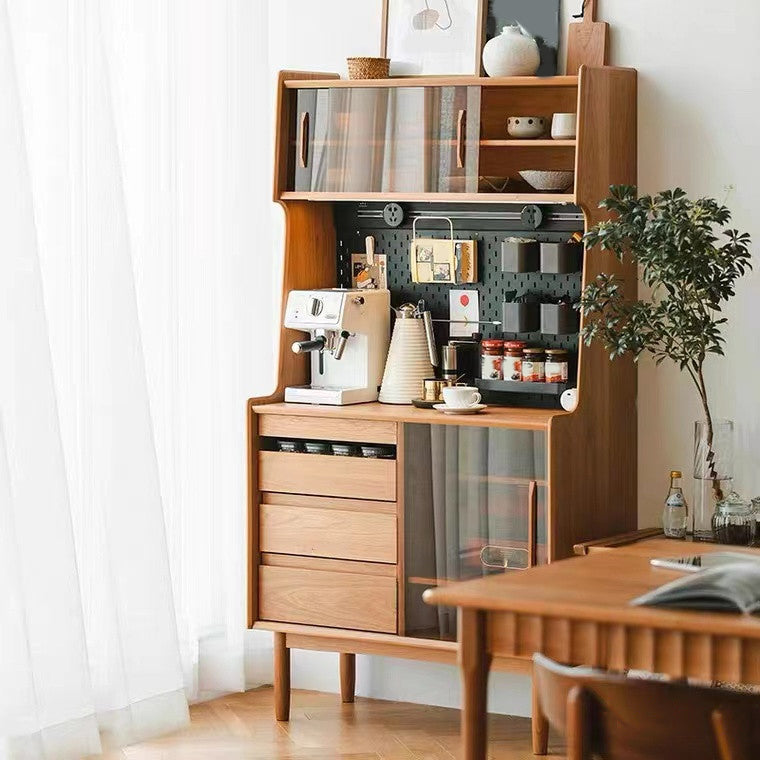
point(525, 419)
point(437, 81)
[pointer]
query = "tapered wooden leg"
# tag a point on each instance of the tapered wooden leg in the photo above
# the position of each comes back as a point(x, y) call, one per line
point(281, 677)
point(475, 662)
point(539, 726)
point(347, 677)
point(577, 717)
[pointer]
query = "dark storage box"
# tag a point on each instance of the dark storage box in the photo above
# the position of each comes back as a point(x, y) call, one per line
point(519, 257)
point(520, 317)
point(561, 258)
point(559, 319)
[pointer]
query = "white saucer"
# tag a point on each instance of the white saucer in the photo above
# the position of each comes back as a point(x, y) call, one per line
point(464, 410)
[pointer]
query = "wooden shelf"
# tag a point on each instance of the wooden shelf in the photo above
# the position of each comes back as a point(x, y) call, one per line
point(435, 81)
point(433, 197)
point(527, 143)
point(495, 416)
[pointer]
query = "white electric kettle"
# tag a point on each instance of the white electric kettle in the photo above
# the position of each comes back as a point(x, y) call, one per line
point(411, 356)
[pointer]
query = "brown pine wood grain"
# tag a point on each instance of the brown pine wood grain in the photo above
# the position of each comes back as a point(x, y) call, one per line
point(327, 428)
point(321, 597)
point(323, 475)
point(335, 533)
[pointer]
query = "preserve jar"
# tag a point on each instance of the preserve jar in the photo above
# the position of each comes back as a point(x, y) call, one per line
point(733, 521)
point(492, 357)
point(513, 356)
point(556, 365)
point(533, 365)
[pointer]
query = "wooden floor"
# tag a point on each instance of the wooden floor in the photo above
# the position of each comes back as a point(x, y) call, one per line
point(241, 727)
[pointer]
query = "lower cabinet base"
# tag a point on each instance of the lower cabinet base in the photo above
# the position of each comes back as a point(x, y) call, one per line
point(348, 644)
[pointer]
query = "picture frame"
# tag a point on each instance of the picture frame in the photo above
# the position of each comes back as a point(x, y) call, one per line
point(433, 37)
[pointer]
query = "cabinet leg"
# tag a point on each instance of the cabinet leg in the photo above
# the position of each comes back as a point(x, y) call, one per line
point(539, 726)
point(347, 677)
point(475, 663)
point(281, 677)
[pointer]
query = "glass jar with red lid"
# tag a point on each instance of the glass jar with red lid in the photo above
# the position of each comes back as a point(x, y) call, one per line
point(492, 357)
point(513, 356)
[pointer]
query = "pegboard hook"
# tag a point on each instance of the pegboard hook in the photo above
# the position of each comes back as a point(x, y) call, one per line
point(433, 218)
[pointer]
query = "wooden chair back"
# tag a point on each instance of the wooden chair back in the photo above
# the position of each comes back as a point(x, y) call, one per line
point(614, 717)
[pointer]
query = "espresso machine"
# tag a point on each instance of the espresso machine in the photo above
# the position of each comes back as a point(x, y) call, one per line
point(349, 332)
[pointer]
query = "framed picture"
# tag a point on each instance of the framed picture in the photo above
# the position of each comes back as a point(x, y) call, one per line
point(433, 37)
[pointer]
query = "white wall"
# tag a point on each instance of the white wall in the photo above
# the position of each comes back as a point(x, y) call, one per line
point(698, 128)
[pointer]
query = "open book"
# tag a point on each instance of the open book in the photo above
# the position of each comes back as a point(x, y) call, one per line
point(732, 588)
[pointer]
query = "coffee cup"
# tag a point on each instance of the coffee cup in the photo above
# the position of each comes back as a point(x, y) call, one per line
point(461, 396)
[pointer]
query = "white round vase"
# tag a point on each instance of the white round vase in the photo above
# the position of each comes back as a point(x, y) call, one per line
point(514, 53)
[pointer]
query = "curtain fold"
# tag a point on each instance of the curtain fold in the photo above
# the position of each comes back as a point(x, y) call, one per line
point(134, 146)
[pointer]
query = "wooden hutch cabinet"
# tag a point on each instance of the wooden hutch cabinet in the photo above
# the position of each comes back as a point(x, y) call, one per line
point(342, 548)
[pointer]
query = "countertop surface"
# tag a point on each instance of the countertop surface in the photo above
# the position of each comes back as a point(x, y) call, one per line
point(493, 416)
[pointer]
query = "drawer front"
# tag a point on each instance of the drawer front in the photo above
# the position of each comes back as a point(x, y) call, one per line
point(318, 530)
point(327, 598)
point(349, 477)
point(326, 429)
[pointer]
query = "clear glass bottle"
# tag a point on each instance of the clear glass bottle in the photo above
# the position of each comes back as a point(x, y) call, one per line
point(676, 512)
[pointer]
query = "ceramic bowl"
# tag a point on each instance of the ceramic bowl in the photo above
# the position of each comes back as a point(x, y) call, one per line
point(526, 127)
point(548, 180)
point(492, 184)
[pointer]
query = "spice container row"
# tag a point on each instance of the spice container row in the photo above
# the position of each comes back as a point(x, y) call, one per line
point(329, 448)
point(523, 255)
point(515, 362)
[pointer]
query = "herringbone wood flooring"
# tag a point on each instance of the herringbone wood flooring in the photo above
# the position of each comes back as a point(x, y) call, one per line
point(242, 727)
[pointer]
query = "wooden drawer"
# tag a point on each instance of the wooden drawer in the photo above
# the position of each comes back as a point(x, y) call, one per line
point(333, 593)
point(328, 527)
point(349, 477)
point(327, 429)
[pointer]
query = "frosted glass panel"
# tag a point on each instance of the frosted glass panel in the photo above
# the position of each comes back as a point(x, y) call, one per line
point(387, 139)
point(467, 506)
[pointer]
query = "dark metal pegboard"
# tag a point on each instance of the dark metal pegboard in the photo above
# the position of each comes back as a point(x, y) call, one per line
point(355, 221)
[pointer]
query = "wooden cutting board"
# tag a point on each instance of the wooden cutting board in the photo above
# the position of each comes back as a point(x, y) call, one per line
point(587, 41)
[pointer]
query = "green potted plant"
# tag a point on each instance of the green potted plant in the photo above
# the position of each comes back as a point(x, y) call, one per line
point(690, 260)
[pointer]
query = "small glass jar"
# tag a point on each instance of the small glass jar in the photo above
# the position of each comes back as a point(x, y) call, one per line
point(756, 515)
point(492, 358)
point(734, 521)
point(533, 365)
point(513, 356)
point(556, 367)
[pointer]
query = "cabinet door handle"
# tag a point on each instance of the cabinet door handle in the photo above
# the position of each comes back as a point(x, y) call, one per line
point(461, 125)
point(532, 524)
point(303, 140)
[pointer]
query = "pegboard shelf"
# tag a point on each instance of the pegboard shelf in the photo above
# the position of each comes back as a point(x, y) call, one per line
point(508, 386)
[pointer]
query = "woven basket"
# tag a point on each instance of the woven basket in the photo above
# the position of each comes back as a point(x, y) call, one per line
point(368, 68)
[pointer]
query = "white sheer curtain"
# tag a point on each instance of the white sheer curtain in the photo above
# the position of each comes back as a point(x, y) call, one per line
point(135, 280)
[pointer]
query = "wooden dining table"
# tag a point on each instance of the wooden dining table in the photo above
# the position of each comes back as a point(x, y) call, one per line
point(578, 611)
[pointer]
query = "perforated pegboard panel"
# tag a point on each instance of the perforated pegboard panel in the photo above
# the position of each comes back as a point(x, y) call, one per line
point(489, 225)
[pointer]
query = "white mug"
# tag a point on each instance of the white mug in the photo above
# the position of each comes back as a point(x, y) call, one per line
point(564, 126)
point(461, 396)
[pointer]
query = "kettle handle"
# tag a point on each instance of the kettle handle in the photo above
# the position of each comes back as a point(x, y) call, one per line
point(427, 321)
